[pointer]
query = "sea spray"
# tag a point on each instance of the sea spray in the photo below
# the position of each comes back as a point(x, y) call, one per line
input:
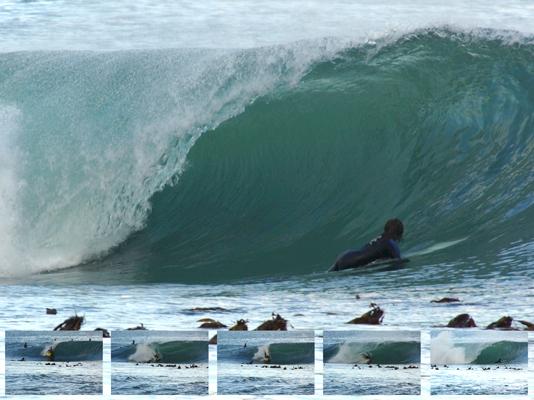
point(262, 355)
point(444, 351)
point(103, 132)
point(143, 353)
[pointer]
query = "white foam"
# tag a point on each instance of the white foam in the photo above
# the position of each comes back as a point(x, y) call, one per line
point(143, 353)
point(351, 352)
point(262, 355)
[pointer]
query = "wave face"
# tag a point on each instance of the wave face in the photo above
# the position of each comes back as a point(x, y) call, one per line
point(446, 351)
point(373, 353)
point(504, 352)
point(300, 152)
point(82, 350)
point(166, 352)
point(274, 353)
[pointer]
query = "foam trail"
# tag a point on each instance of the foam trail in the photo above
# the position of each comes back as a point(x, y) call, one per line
point(435, 247)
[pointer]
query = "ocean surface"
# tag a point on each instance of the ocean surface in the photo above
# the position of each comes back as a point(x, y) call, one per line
point(155, 158)
point(159, 363)
point(386, 380)
point(75, 367)
point(480, 380)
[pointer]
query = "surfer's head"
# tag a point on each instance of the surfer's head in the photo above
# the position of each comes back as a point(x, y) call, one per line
point(394, 229)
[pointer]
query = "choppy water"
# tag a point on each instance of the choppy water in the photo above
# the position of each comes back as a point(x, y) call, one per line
point(313, 303)
point(458, 379)
point(146, 379)
point(32, 377)
point(345, 379)
point(258, 379)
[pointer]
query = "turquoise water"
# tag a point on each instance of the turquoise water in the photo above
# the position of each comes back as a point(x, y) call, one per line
point(281, 170)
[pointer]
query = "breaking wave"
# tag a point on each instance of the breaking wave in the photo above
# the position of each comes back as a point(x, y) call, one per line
point(203, 165)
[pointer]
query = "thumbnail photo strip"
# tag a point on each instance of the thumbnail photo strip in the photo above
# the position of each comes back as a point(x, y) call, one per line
point(378, 364)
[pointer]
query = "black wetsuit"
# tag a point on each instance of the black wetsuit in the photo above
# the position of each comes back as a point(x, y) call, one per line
point(376, 249)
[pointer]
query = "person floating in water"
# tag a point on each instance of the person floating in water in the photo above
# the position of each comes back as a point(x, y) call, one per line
point(383, 247)
point(50, 354)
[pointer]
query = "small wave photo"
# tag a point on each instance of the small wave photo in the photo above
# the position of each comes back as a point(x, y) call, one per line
point(159, 362)
point(372, 362)
point(266, 363)
point(53, 363)
point(479, 362)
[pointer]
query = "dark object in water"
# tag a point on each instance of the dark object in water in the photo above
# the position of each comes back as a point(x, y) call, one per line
point(209, 323)
point(207, 309)
point(140, 327)
point(446, 300)
point(529, 325)
point(371, 317)
point(462, 321)
point(51, 311)
point(71, 324)
point(105, 332)
point(240, 325)
point(276, 323)
point(502, 323)
point(213, 340)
